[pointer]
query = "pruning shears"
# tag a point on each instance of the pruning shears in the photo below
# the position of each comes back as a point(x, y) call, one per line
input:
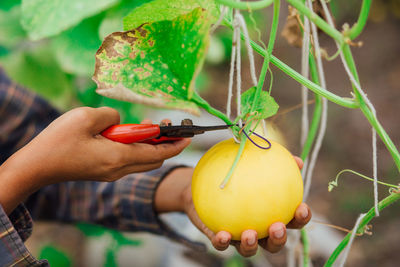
point(154, 133)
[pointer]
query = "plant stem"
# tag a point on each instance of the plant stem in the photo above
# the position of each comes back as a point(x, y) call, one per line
point(361, 21)
point(367, 112)
point(317, 112)
point(265, 66)
point(235, 162)
point(322, 24)
point(367, 218)
point(342, 101)
point(207, 107)
point(246, 5)
point(306, 247)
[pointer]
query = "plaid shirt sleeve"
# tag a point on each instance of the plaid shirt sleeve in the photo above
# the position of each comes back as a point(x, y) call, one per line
point(126, 204)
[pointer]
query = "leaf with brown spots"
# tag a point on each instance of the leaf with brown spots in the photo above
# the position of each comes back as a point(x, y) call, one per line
point(155, 64)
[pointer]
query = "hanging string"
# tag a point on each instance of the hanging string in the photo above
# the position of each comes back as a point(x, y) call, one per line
point(249, 49)
point(238, 70)
point(264, 127)
point(304, 71)
point(218, 22)
point(231, 70)
point(369, 104)
point(239, 24)
point(324, 112)
point(353, 234)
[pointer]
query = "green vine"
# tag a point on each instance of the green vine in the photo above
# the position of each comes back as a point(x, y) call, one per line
point(335, 182)
point(265, 66)
point(393, 197)
point(312, 132)
point(357, 102)
point(362, 20)
point(252, 114)
point(246, 5)
point(235, 162)
point(306, 248)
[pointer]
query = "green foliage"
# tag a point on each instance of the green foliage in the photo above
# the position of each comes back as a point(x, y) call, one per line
point(44, 18)
point(75, 48)
point(158, 10)
point(11, 32)
point(235, 261)
point(265, 106)
point(118, 240)
point(110, 260)
point(113, 20)
point(38, 70)
point(7, 5)
point(93, 230)
point(55, 256)
point(155, 64)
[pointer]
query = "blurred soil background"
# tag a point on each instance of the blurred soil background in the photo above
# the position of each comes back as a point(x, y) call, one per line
point(347, 144)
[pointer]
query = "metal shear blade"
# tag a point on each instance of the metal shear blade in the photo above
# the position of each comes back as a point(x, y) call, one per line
point(188, 130)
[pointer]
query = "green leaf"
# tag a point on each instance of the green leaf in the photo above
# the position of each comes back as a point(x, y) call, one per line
point(129, 112)
point(75, 48)
point(155, 64)
point(11, 31)
point(37, 70)
point(158, 10)
point(114, 16)
point(265, 106)
point(211, 7)
point(44, 18)
point(7, 5)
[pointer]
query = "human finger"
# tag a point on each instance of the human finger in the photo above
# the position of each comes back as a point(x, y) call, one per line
point(133, 169)
point(299, 162)
point(145, 153)
point(301, 217)
point(221, 240)
point(165, 122)
point(146, 121)
point(276, 239)
point(141, 167)
point(248, 243)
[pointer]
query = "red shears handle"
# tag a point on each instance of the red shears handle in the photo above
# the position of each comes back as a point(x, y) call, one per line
point(136, 133)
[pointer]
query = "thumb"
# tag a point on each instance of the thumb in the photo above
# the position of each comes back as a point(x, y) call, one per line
point(103, 118)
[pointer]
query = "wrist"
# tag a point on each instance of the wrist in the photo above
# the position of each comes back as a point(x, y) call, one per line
point(169, 195)
point(18, 180)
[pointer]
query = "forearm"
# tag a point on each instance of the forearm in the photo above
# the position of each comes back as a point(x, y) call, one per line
point(169, 197)
point(18, 179)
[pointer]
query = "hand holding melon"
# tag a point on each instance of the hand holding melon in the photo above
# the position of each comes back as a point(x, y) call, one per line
point(263, 194)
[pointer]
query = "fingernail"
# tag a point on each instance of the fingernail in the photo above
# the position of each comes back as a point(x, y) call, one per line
point(279, 233)
point(304, 213)
point(224, 240)
point(251, 241)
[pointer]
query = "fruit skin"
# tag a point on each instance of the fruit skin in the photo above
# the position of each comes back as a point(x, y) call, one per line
point(266, 187)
